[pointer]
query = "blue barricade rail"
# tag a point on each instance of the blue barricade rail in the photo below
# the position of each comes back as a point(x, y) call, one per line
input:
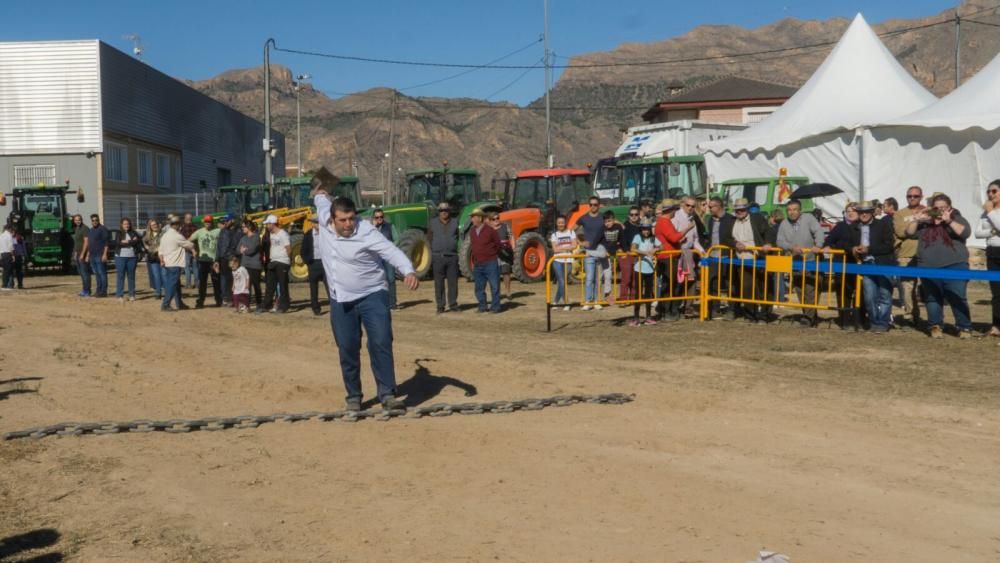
point(824, 267)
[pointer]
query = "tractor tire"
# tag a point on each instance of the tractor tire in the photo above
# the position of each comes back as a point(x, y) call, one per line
point(413, 243)
point(531, 257)
point(465, 258)
point(299, 271)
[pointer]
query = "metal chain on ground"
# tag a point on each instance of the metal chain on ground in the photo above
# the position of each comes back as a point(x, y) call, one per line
point(179, 426)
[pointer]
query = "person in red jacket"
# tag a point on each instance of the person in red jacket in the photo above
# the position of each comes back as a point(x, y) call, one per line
point(670, 238)
point(485, 243)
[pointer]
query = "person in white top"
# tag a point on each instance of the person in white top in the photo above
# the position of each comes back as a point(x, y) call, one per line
point(7, 256)
point(563, 241)
point(352, 252)
point(241, 285)
point(989, 229)
point(173, 250)
point(279, 261)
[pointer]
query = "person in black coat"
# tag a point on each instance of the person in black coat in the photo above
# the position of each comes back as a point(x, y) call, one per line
point(874, 243)
point(316, 272)
point(718, 222)
point(841, 237)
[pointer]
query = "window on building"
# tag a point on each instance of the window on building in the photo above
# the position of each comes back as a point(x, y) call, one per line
point(115, 162)
point(145, 168)
point(756, 116)
point(223, 177)
point(33, 174)
point(162, 171)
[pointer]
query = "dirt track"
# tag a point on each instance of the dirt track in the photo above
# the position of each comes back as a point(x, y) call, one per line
point(823, 445)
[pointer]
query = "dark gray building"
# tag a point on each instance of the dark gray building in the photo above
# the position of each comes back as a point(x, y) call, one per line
point(117, 128)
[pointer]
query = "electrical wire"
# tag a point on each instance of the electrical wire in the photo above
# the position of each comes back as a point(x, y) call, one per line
point(471, 70)
point(980, 22)
point(509, 84)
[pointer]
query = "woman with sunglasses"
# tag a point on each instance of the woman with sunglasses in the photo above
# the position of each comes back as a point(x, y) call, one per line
point(989, 229)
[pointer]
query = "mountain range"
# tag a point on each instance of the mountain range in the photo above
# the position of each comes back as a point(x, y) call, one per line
point(592, 104)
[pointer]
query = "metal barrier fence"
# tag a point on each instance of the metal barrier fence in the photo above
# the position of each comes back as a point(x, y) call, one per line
point(665, 270)
point(754, 276)
point(141, 208)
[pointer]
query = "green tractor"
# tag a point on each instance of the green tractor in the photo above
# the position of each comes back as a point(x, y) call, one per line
point(293, 191)
point(768, 193)
point(39, 214)
point(425, 189)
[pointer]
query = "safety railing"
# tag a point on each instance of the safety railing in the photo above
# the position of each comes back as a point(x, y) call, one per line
point(667, 283)
point(768, 277)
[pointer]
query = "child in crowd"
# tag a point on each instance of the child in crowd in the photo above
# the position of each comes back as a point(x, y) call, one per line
point(646, 246)
point(241, 286)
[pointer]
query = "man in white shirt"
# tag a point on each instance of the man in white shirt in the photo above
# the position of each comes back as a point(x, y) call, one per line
point(173, 251)
point(7, 256)
point(352, 252)
point(278, 264)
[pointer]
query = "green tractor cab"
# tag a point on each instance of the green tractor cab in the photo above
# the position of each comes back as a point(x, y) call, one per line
point(240, 201)
point(39, 213)
point(768, 193)
point(425, 189)
point(293, 191)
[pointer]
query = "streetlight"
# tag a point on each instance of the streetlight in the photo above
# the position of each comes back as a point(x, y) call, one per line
point(298, 119)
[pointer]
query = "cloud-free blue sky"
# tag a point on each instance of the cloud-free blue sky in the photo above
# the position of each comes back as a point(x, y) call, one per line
point(198, 39)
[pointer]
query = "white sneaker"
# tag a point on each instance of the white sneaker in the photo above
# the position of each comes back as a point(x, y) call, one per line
point(598, 307)
point(121, 300)
point(131, 298)
point(566, 308)
point(586, 308)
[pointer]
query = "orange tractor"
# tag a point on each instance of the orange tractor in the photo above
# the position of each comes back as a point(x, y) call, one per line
point(532, 200)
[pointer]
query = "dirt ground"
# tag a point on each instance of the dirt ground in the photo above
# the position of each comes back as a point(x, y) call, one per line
point(826, 446)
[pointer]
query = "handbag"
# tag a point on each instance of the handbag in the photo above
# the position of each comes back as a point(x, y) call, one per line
point(506, 253)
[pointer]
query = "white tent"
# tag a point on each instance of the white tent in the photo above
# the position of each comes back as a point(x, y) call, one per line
point(951, 146)
point(819, 132)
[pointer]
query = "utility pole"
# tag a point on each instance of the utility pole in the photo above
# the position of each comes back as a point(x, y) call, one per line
point(549, 158)
point(958, 48)
point(298, 121)
point(268, 174)
point(390, 197)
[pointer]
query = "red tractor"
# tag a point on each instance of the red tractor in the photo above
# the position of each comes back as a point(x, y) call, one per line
point(532, 201)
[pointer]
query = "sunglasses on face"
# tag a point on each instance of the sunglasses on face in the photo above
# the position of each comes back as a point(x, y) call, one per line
point(633, 214)
point(909, 196)
point(993, 191)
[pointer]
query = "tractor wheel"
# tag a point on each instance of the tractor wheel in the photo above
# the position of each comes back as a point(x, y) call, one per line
point(299, 272)
point(465, 258)
point(413, 243)
point(531, 256)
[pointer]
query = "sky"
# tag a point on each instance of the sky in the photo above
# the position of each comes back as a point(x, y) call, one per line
point(191, 39)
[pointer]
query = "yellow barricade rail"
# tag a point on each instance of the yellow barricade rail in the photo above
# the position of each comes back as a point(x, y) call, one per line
point(737, 264)
point(667, 263)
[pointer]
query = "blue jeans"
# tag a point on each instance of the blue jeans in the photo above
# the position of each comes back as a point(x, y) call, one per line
point(100, 270)
point(125, 267)
point(171, 287)
point(487, 272)
point(590, 279)
point(155, 277)
point(83, 268)
point(560, 269)
point(390, 278)
point(190, 270)
point(346, 320)
point(952, 291)
point(878, 300)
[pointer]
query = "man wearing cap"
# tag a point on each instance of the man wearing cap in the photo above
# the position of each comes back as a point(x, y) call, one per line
point(442, 236)
point(484, 242)
point(206, 240)
point(801, 235)
point(226, 248)
point(278, 264)
point(746, 231)
point(352, 252)
point(173, 250)
point(592, 225)
point(874, 243)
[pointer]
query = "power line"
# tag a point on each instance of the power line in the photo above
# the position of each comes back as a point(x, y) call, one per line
point(509, 84)
point(464, 72)
point(599, 65)
point(980, 22)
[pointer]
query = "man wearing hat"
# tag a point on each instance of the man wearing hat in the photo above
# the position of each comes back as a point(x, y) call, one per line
point(442, 237)
point(278, 264)
point(484, 242)
point(874, 243)
point(746, 231)
point(670, 238)
point(227, 247)
point(173, 251)
point(206, 240)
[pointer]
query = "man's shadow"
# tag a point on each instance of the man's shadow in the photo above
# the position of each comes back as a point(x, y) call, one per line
point(424, 386)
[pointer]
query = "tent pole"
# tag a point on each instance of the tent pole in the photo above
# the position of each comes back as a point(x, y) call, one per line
point(861, 163)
